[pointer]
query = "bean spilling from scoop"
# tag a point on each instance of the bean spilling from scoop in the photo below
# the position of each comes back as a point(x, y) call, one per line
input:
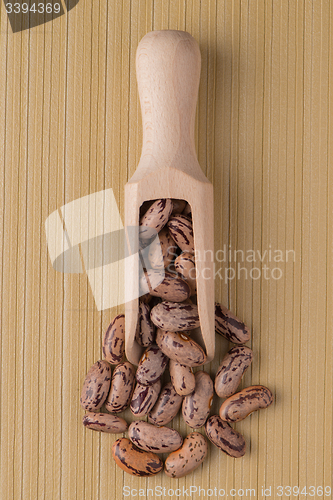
point(164, 384)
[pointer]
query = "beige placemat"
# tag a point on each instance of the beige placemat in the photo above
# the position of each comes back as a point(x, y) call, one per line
point(70, 126)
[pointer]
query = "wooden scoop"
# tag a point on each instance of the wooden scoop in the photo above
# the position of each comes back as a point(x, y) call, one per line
point(168, 72)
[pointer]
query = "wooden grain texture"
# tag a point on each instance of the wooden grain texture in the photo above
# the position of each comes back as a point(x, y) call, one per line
point(70, 125)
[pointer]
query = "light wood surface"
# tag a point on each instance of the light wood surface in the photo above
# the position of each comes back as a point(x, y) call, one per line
point(70, 125)
point(168, 73)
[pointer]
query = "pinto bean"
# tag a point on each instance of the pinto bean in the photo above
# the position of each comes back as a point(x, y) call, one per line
point(147, 437)
point(224, 437)
point(104, 422)
point(145, 333)
point(171, 288)
point(156, 217)
point(166, 407)
point(180, 347)
point(114, 340)
point(230, 372)
point(122, 387)
point(162, 250)
point(196, 406)
point(144, 398)
point(185, 266)
point(175, 317)
point(135, 461)
point(240, 405)
point(229, 326)
point(96, 386)
point(181, 231)
point(182, 378)
point(188, 458)
point(151, 365)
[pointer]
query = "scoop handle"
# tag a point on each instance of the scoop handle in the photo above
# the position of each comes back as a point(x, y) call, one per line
point(168, 64)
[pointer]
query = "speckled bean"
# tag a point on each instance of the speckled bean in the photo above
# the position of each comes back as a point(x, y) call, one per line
point(229, 326)
point(185, 266)
point(180, 347)
point(144, 397)
point(224, 437)
point(196, 406)
point(166, 407)
point(104, 422)
point(188, 458)
point(114, 340)
point(151, 365)
point(145, 332)
point(162, 250)
point(156, 217)
point(182, 378)
point(135, 461)
point(122, 386)
point(231, 370)
point(181, 231)
point(240, 405)
point(175, 317)
point(147, 437)
point(96, 386)
point(171, 288)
